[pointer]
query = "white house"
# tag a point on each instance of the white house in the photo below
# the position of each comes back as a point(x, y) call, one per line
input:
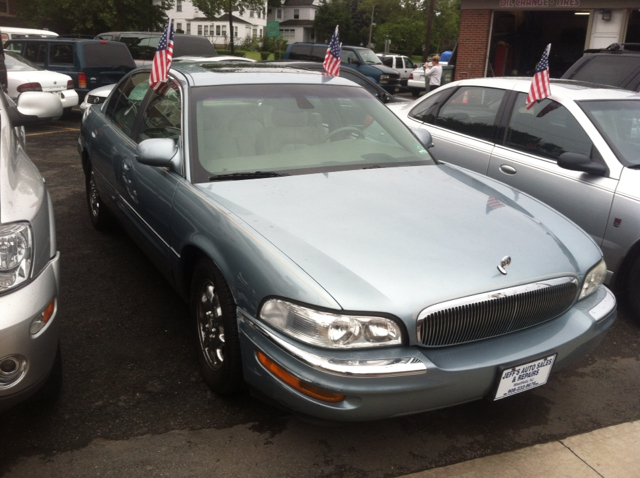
point(296, 19)
point(186, 17)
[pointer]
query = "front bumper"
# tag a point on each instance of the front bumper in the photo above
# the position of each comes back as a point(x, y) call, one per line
point(19, 309)
point(416, 83)
point(404, 380)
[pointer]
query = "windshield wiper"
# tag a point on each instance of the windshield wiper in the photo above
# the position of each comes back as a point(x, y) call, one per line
point(248, 175)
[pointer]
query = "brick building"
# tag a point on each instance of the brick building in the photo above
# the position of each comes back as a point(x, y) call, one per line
point(8, 9)
point(507, 37)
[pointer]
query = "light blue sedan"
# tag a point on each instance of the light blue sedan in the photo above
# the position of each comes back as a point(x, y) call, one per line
point(330, 263)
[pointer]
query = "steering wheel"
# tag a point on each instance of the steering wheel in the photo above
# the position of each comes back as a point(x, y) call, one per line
point(352, 129)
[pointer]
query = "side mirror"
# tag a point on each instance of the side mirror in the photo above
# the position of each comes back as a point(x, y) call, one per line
point(424, 137)
point(34, 107)
point(157, 152)
point(581, 162)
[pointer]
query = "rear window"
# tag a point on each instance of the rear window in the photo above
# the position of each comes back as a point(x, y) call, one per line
point(107, 55)
point(308, 52)
point(608, 69)
point(192, 46)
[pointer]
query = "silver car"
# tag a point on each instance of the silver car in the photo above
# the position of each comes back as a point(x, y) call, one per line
point(329, 262)
point(29, 260)
point(577, 151)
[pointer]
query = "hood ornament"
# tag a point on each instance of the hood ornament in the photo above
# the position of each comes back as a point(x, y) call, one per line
point(504, 263)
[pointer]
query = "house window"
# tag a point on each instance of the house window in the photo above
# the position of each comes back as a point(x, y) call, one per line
point(288, 33)
point(199, 30)
point(4, 8)
point(261, 32)
point(259, 13)
point(224, 30)
point(179, 6)
point(179, 26)
point(255, 32)
point(270, 11)
point(217, 30)
point(235, 32)
point(279, 13)
point(296, 14)
point(252, 13)
point(188, 28)
point(206, 30)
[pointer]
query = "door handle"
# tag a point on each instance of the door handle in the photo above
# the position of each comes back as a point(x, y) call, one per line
point(506, 169)
point(125, 165)
point(94, 134)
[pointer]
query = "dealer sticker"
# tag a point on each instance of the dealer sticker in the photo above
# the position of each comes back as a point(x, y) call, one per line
point(524, 377)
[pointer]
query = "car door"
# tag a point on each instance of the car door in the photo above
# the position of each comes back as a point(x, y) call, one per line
point(527, 160)
point(147, 191)
point(463, 124)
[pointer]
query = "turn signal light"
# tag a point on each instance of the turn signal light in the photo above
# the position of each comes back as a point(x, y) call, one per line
point(82, 80)
point(40, 321)
point(29, 87)
point(299, 385)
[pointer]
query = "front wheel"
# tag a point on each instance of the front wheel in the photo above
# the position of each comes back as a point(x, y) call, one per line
point(214, 316)
point(633, 289)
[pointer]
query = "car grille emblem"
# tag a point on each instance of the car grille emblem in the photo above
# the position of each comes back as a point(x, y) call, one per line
point(504, 263)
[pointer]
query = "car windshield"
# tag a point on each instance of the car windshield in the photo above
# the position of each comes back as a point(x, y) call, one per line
point(619, 122)
point(295, 129)
point(16, 62)
point(369, 57)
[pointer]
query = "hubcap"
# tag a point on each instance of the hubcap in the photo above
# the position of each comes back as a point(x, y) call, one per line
point(211, 326)
point(94, 198)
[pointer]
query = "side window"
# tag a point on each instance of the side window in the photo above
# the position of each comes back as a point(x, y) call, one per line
point(17, 47)
point(471, 110)
point(409, 64)
point(547, 129)
point(399, 63)
point(125, 100)
point(427, 109)
point(162, 117)
point(61, 54)
point(36, 52)
point(348, 56)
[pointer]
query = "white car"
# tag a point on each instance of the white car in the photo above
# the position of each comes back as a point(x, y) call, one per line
point(99, 95)
point(416, 80)
point(23, 75)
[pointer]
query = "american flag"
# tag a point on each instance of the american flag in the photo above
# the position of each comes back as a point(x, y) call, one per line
point(493, 203)
point(162, 58)
point(540, 85)
point(331, 62)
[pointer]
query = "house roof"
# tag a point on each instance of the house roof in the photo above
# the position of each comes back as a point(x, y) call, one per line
point(298, 3)
point(223, 18)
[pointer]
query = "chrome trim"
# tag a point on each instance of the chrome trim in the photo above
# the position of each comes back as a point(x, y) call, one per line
point(481, 316)
point(604, 307)
point(350, 368)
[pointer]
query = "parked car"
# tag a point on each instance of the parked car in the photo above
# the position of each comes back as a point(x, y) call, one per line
point(10, 33)
point(329, 262)
point(616, 65)
point(349, 74)
point(99, 95)
point(30, 365)
point(577, 151)
point(361, 59)
point(89, 63)
point(401, 63)
point(23, 75)
point(143, 45)
point(416, 82)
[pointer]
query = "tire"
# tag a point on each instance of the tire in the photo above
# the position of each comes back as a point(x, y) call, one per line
point(100, 217)
point(415, 92)
point(52, 387)
point(633, 289)
point(213, 313)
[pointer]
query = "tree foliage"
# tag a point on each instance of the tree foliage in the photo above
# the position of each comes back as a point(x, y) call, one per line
point(215, 8)
point(90, 17)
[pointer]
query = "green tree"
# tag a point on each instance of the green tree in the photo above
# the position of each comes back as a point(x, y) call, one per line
point(90, 17)
point(215, 8)
point(329, 14)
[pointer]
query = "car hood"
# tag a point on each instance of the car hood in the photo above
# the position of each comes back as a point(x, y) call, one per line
point(403, 238)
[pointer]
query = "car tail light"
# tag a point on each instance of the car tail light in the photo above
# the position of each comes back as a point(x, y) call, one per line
point(82, 80)
point(70, 85)
point(29, 87)
point(411, 76)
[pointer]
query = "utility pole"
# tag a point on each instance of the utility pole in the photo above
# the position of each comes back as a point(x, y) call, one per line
point(427, 40)
point(371, 25)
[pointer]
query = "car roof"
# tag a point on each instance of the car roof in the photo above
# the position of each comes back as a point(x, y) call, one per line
point(61, 39)
point(575, 90)
point(199, 73)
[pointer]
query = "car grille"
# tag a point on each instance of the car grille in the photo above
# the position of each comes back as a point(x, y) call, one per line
point(495, 313)
point(95, 100)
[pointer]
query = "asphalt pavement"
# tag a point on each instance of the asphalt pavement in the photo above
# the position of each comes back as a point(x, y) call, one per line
point(133, 403)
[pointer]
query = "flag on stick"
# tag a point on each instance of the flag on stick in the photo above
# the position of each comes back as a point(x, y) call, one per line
point(331, 61)
point(540, 87)
point(162, 58)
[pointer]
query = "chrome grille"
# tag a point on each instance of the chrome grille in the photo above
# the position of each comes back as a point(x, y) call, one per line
point(95, 100)
point(495, 313)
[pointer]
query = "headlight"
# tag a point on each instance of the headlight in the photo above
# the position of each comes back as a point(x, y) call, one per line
point(384, 78)
point(330, 330)
point(15, 254)
point(594, 279)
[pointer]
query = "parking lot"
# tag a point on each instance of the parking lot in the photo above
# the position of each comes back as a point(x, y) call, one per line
point(131, 381)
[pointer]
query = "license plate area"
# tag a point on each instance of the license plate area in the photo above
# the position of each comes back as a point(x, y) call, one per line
point(521, 378)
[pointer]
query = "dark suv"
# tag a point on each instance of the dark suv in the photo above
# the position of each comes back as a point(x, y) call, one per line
point(143, 45)
point(616, 65)
point(90, 63)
